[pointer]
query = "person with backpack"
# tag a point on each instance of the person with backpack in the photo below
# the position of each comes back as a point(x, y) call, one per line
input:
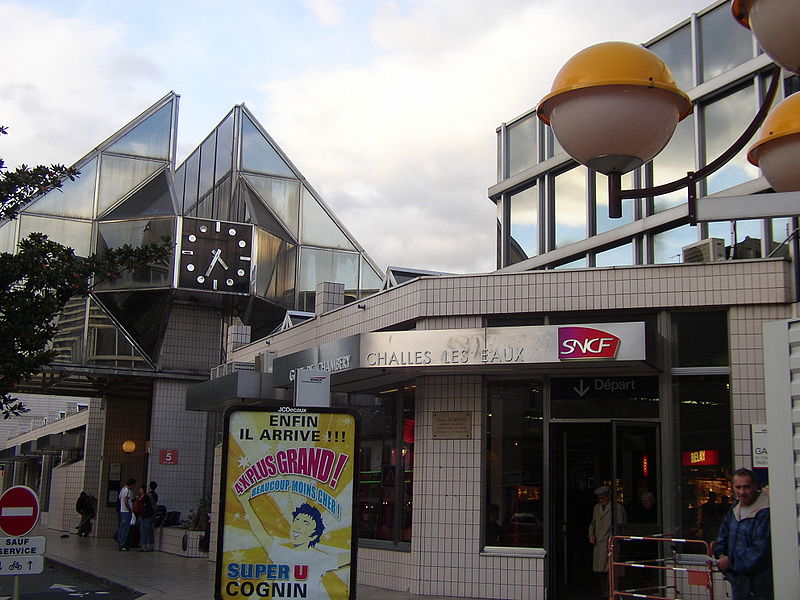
point(147, 519)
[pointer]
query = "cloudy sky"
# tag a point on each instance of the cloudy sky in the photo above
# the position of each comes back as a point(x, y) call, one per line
point(388, 107)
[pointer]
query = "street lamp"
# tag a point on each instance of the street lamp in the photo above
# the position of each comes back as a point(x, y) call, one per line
point(128, 446)
point(615, 105)
point(774, 23)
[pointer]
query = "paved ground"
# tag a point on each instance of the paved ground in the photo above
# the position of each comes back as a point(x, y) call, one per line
point(158, 575)
point(58, 582)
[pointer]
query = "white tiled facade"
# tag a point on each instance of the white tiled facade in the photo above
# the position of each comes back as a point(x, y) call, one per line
point(446, 556)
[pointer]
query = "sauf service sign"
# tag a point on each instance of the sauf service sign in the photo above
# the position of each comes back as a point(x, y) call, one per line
point(288, 493)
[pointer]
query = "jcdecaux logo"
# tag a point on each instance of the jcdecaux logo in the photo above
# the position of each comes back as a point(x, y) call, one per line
point(581, 343)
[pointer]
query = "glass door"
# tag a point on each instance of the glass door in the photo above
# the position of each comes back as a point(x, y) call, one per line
point(636, 490)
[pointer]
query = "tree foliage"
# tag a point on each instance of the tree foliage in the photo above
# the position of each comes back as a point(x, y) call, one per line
point(37, 282)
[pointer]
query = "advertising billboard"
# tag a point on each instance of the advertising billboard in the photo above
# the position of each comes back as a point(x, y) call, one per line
point(287, 499)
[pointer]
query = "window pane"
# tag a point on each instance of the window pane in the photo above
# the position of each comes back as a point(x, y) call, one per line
point(723, 120)
point(623, 255)
point(137, 233)
point(579, 263)
point(275, 269)
point(8, 237)
point(370, 280)
point(604, 222)
point(192, 169)
point(673, 162)
point(514, 466)
point(319, 229)
point(724, 43)
point(570, 206)
point(73, 199)
point(75, 234)
point(386, 454)
point(207, 156)
point(326, 265)
point(524, 224)
point(676, 51)
point(282, 197)
point(781, 228)
point(706, 463)
point(258, 155)
point(700, 339)
point(149, 138)
point(118, 176)
point(522, 148)
point(224, 148)
point(667, 244)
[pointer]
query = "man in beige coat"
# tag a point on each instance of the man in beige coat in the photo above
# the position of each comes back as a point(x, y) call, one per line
point(600, 532)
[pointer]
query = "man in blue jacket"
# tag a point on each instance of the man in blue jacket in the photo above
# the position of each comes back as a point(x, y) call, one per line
point(743, 546)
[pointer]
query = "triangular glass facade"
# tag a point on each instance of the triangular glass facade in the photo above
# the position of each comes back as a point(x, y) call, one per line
point(150, 138)
point(258, 155)
point(129, 192)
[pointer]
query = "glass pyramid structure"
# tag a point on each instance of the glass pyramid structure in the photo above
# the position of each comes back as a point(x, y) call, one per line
point(130, 192)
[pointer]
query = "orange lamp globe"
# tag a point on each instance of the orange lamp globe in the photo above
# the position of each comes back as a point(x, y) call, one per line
point(614, 106)
point(775, 23)
point(777, 149)
point(128, 446)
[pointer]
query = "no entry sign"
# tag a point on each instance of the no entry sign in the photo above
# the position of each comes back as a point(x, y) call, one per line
point(19, 510)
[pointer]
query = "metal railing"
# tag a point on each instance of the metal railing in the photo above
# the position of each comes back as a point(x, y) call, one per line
point(658, 567)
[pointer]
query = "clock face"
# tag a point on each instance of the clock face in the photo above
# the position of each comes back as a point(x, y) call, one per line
point(216, 256)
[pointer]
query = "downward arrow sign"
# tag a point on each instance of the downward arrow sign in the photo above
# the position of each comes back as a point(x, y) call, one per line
point(61, 586)
point(581, 390)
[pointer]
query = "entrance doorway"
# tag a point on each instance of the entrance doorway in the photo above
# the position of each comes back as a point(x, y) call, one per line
point(622, 455)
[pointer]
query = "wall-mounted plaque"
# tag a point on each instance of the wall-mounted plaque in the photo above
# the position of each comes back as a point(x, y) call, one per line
point(452, 425)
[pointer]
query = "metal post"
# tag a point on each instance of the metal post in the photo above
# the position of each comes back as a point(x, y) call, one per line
point(17, 588)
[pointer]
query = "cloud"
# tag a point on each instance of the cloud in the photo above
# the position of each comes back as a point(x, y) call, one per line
point(403, 147)
point(329, 12)
point(71, 83)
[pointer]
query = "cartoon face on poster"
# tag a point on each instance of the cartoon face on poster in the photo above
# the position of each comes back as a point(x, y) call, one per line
point(287, 501)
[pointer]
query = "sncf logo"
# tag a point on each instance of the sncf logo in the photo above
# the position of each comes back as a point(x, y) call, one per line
point(577, 343)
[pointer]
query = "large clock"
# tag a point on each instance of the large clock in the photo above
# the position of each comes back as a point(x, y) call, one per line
point(215, 256)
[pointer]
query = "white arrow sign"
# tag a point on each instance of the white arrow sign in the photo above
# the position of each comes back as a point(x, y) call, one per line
point(581, 389)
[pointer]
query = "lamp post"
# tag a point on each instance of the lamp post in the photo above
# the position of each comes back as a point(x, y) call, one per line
point(614, 106)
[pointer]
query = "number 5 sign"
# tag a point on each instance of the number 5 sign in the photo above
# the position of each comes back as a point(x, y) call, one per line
point(168, 457)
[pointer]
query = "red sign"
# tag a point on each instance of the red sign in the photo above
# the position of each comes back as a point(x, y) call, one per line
point(580, 343)
point(168, 457)
point(19, 510)
point(700, 458)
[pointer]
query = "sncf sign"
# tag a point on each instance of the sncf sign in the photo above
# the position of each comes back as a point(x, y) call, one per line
point(581, 343)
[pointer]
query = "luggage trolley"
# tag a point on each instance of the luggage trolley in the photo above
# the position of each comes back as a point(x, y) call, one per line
point(655, 566)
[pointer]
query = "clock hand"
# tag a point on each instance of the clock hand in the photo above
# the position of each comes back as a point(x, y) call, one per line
point(222, 262)
point(214, 260)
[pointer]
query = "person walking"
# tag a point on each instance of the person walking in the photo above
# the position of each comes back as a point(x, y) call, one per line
point(125, 514)
point(147, 519)
point(743, 547)
point(85, 507)
point(600, 532)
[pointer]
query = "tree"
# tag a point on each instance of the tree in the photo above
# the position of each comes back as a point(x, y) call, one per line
point(37, 281)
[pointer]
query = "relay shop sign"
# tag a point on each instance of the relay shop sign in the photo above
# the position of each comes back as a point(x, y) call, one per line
point(287, 502)
point(19, 510)
point(469, 347)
